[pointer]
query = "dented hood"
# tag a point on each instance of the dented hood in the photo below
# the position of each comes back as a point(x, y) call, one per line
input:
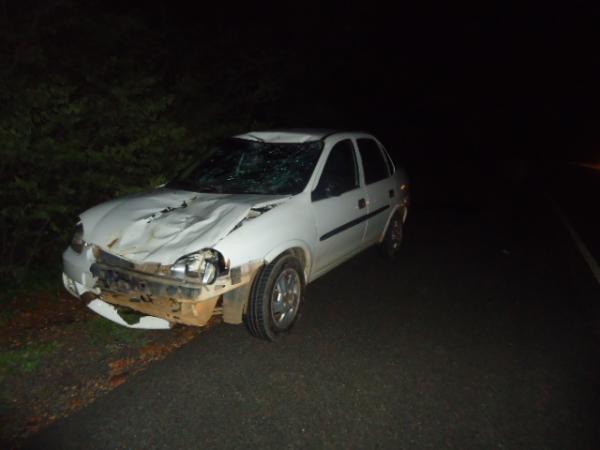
point(165, 224)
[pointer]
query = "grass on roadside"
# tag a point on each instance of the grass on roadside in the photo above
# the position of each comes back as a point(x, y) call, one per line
point(6, 316)
point(104, 332)
point(47, 281)
point(24, 359)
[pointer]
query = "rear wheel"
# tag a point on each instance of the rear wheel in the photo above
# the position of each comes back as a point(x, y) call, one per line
point(390, 245)
point(276, 298)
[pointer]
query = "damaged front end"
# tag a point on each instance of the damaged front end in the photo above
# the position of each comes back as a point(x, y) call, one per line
point(190, 291)
point(110, 262)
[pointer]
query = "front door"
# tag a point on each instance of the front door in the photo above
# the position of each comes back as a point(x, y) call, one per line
point(339, 204)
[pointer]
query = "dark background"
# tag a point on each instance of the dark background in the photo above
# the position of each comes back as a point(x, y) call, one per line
point(473, 79)
point(505, 79)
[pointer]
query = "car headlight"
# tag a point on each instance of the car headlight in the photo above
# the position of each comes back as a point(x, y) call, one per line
point(205, 265)
point(77, 242)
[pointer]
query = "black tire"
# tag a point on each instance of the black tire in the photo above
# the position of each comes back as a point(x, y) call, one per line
point(390, 245)
point(261, 320)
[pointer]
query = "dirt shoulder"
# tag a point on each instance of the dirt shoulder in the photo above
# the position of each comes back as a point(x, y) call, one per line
point(56, 356)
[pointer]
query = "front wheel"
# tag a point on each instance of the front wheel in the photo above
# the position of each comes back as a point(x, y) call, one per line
point(276, 298)
point(390, 245)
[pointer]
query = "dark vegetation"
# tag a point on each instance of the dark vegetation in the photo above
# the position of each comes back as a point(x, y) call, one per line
point(92, 107)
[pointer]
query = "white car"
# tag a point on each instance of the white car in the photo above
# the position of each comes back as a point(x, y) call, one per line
point(240, 232)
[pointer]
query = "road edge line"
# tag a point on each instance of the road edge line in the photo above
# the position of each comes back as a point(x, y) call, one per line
point(587, 256)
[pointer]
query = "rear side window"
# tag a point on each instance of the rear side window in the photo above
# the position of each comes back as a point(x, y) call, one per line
point(374, 164)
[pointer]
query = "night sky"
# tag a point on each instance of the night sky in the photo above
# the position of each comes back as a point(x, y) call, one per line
point(515, 80)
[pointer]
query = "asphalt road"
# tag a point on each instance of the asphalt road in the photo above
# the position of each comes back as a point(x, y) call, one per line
point(484, 334)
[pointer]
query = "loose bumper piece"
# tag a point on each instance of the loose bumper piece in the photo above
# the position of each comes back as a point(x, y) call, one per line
point(109, 312)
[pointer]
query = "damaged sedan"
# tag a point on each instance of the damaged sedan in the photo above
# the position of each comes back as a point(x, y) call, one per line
point(239, 233)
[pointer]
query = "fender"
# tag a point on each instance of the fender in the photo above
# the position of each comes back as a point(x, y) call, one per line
point(396, 207)
point(236, 301)
point(297, 243)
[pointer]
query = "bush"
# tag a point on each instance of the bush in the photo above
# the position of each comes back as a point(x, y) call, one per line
point(89, 111)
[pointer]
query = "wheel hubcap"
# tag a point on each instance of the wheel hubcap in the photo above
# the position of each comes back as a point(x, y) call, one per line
point(285, 298)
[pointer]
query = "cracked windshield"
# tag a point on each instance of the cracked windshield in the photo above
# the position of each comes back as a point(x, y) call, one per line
point(239, 166)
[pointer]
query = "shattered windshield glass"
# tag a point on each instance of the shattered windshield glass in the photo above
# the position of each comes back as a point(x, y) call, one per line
point(240, 166)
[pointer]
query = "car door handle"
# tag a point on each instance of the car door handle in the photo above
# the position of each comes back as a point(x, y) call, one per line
point(362, 203)
point(391, 193)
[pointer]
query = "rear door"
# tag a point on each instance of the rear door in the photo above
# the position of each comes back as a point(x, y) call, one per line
point(379, 185)
point(339, 205)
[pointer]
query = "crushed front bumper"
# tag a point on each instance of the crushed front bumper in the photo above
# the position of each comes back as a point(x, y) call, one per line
point(173, 300)
point(119, 282)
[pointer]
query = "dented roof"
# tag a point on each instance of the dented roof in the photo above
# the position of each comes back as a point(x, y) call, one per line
point(292, 135)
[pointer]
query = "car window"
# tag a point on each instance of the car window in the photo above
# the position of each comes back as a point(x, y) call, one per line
point(374, 165)
point(339, 174)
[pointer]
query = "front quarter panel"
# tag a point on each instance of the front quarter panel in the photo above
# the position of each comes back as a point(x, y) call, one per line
point(288, 225)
